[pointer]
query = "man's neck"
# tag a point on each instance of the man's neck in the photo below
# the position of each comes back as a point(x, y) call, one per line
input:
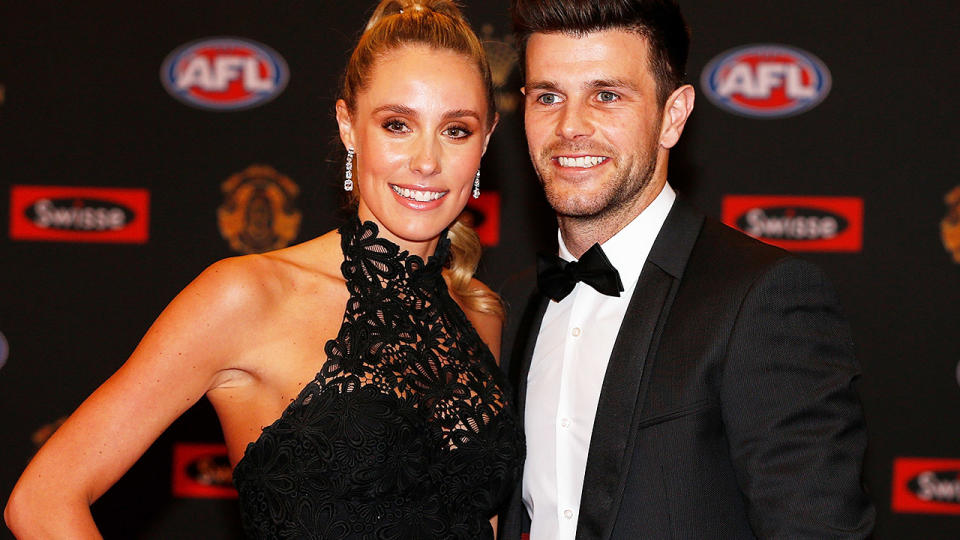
point(579, 233)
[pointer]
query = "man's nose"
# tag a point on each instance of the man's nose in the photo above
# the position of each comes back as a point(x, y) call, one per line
point(574, 121)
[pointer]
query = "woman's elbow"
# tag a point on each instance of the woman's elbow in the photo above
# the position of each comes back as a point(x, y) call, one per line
point(28, 513)
point(16, 512)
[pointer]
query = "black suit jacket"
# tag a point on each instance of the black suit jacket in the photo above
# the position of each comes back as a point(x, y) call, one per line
point(727, 409)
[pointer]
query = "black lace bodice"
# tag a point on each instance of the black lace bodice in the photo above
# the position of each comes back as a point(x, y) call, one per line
point(405, 432)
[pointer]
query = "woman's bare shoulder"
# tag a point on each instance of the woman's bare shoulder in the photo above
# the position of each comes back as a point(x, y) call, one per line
point(319, 258)
point(253, 283)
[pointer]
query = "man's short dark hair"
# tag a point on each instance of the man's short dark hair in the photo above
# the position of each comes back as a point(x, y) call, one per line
point(659, 21)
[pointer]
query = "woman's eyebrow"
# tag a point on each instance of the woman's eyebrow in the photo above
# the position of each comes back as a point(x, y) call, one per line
point(460, 113)
point(398, 109)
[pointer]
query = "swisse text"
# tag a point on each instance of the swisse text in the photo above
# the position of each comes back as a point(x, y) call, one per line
point(937, 486)
point(791, 224)
point(78, 215)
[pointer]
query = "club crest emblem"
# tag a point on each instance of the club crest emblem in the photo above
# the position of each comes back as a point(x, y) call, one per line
point(258, 212)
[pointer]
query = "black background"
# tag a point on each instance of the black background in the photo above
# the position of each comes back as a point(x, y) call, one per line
point(84, 106)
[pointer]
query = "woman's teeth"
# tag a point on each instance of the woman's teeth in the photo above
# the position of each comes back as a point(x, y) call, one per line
point(582, 161)
point(417, 195)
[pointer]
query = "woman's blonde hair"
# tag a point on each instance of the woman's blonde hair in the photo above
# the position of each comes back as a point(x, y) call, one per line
point(441, 25)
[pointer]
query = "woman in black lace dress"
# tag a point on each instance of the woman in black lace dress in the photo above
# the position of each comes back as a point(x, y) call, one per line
point(355, 374)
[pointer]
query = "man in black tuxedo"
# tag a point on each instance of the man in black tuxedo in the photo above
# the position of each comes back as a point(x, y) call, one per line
point(677, 379)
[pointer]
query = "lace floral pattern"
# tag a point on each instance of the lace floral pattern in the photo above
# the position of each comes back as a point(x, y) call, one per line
point(404, 433)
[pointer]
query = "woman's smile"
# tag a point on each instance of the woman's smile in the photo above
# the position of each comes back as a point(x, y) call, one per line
point(420, 195)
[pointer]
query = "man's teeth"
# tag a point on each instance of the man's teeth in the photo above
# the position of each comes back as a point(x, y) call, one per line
point(582, 161)
point(422, 196)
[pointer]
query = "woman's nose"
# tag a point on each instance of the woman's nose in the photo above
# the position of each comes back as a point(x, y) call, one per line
point(425, 159)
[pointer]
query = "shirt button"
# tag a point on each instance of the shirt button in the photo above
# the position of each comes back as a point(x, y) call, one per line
point(568, 513)
point(565, 422)
point(575, 332)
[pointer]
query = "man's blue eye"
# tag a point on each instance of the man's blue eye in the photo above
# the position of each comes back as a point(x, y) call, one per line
point(548, 99)
point(607, 96)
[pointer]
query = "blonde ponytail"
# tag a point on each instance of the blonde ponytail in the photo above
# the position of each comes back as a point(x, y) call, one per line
point(465, 251)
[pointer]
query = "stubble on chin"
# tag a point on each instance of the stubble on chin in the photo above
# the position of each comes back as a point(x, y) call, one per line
point(596, 215)
point(571, 199)
point(596, 201)
point(574, 203)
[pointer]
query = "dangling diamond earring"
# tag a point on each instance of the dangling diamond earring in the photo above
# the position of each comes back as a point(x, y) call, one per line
point(348, 181)
point(476, 185)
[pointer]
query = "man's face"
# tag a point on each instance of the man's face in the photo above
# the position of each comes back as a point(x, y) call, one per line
point(593, 122)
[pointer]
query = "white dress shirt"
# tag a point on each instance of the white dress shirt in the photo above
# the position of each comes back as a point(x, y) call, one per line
point(563, 386)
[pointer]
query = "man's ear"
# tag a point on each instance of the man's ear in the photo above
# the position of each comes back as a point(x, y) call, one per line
point(345, 124)
point(676, 111)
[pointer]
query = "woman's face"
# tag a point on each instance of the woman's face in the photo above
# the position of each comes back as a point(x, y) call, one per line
point(419, 130)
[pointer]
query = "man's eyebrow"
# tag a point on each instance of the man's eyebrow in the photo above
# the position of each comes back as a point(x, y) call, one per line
point(542, 85)
point(595, 84)
point(598, 84)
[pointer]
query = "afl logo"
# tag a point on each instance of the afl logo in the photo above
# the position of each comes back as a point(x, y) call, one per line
point(224, 74)
point(766, 81)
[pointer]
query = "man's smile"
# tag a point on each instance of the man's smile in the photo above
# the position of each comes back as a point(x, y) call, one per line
point(583, 162)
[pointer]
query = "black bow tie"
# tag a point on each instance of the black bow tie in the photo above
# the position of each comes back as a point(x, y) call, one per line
point(557, 277)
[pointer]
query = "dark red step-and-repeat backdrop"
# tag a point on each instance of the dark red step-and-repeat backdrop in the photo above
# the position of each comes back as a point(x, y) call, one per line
point(140, 143)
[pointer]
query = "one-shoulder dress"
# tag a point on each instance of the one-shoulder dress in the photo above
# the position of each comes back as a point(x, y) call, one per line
point(407, 429)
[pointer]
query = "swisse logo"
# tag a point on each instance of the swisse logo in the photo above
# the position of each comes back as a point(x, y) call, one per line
point(798, 223)
point(926, 485)
point(766, 81)
point(224, 74)
point(792, 223)
point(79, 214)
point(202, 471)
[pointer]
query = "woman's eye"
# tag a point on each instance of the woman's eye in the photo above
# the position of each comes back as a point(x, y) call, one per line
point(548, 99)
point(607, 96)
point(458, 132)
point(396, 126)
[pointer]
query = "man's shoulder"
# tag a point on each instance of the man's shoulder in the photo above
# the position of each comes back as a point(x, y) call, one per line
point(692, 241)
point(718, 235)
point(725, 259)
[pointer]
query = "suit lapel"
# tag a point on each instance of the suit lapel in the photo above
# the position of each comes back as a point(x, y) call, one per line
point(621, 396)
point(521, 354)
point(531, 327)
point(608, 460)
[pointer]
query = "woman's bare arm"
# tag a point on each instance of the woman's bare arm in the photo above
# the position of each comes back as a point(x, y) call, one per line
point(181, 356)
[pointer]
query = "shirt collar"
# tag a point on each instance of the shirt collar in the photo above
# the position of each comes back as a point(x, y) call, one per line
point(628, 249)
